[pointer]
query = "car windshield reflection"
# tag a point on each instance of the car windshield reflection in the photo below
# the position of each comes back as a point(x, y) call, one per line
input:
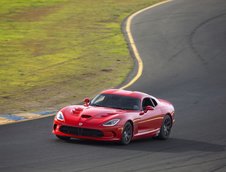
point(116, 102)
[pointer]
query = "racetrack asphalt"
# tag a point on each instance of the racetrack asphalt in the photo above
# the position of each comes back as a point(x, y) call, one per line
point(182, 45)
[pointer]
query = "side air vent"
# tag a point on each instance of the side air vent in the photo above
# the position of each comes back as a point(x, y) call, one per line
point(86, 116)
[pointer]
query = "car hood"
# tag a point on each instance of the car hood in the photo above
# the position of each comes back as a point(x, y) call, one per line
point(90, 116)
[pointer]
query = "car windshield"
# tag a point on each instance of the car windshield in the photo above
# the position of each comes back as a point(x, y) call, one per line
point(116, 101)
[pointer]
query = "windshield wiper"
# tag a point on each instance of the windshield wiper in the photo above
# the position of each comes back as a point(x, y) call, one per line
point(96, 105)
point(118, 108)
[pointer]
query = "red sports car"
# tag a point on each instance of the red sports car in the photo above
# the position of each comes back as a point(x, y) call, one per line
point(116, 115)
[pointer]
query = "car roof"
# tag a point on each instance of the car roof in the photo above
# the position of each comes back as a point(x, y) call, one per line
point(135, 94)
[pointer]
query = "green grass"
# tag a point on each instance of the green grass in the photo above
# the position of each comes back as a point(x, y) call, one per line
point(55, 52)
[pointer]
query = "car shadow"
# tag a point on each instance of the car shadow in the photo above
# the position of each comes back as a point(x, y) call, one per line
point(173, 145)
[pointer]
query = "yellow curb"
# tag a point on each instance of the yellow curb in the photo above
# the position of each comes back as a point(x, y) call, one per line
point(5, 121)
point(20, 121)
point(28, 115)
point(133, 45)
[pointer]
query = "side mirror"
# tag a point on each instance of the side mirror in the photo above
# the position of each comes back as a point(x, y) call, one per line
point(86, 101)
point(148, 108)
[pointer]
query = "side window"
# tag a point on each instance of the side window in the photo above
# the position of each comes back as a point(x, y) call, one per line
point(154, 102)
point(147, 102)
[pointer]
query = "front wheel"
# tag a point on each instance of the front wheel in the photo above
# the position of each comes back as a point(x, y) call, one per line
point(165, 128)
point(127, 134)
point(63, 138)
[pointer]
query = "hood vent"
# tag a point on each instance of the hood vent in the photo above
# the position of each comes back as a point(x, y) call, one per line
point(86, 116)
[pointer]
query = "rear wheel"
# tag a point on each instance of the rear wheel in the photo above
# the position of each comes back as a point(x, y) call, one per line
point(63, 138)
point(127, 133)
point(165, 128)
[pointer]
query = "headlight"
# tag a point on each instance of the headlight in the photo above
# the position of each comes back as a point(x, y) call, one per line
point(112, 122)
point(60, 116)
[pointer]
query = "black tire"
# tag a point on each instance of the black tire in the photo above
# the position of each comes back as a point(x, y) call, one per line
point(63, 138)
point(127, 133)
point(165, 128)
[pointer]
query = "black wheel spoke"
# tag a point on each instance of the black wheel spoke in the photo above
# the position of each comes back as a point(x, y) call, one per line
point(166, 128)
point(127, 133)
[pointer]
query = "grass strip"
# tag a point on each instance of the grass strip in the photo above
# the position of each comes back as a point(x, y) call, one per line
point(56, 52)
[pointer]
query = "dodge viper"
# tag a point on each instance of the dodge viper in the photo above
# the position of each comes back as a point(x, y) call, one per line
point(116, 115)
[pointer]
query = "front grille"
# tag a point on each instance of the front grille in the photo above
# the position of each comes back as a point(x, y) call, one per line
point(81, 131)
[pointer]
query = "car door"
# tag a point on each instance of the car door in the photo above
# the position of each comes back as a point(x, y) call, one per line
point(149, 121)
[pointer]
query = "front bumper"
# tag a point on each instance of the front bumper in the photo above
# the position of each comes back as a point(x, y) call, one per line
point(100, 133)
